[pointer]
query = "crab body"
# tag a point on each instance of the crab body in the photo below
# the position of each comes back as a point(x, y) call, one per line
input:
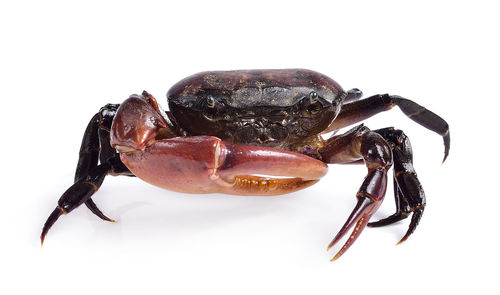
point(253, 132)
point(273, 108)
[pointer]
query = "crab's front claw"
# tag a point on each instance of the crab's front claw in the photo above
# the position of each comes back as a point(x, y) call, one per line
point(206, 164)
point(203, 164)
point(370, 196)
point(360, 143)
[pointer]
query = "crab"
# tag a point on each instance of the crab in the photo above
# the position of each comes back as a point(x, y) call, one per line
point(254, 132)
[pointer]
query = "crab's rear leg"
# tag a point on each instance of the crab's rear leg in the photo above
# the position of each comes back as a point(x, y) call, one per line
point(89, 175)
point(360, 143)
point(95, 147)
point(357, 111)
point(81, 192)
point(408, 192)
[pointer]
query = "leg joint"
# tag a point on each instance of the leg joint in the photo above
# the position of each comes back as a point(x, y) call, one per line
point(106, 115)
point(376, 151)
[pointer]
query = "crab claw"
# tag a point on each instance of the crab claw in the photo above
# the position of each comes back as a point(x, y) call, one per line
point(370, 196)
point(377, 155)
point(50, 221)
point(360, 216)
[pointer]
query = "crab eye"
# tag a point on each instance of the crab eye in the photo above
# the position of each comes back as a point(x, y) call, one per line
point(210, 102)
point(313, 97)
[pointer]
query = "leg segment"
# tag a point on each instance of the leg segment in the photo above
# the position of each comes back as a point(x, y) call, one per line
point(408, 192)
point(140, 119)
point(89, 175)
point(348, 148)
point(358, 111)
point(95, 143)
point(77, 194)
point(402, 209)
point(89, 150)
point(360, 143)
point(95, 147)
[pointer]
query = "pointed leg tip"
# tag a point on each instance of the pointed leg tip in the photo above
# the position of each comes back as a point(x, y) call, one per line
point(50, 221)
point(94, 209)
point(109, 220)
point(407, 235)
point(446, 138)
point(402, 240)
point(415, 219)
point(444, 159)
point(42, 239)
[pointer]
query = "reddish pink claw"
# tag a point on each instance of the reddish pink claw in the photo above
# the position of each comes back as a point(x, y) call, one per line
point(360, 216)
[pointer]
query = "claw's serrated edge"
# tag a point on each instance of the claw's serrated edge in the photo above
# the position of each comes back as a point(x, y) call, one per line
point(360, 225)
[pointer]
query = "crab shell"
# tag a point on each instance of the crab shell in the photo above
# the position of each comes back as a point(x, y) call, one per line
point(274, 108)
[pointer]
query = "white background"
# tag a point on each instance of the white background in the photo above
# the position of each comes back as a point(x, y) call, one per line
point(60, 62)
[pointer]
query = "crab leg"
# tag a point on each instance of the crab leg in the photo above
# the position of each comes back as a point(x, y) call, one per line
point(95, 147)
point(360, 143)
point(89, 150)
point(82, 190)
point(89, 175)
point(77, 194)
point(205, 164)
point(358, 111)
point(408, 192)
